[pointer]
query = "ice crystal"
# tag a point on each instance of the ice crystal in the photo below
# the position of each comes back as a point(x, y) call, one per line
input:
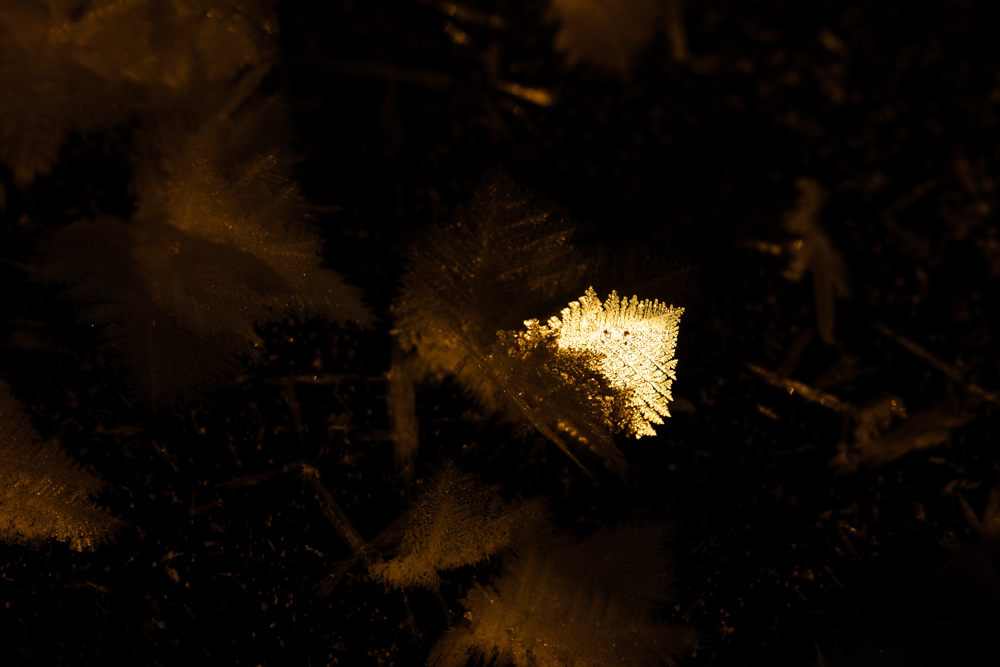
point(633, 344)
point(551, 608)
point(559, 392)
point(237, 249)
point(219, 242)
point(456, 522)
point(43, 494)
point(602, 369)
point(76, 67)
point(505, 254)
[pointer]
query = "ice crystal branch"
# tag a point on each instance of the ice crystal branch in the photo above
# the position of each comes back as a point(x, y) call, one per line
point(560, 607)
point(231, 213)
point(503, 255)
point(457, 521)
point(599, 369)
point(555, 391)
point(633, 344)
point(219, 242)
point(43, 494)
point(76, 67)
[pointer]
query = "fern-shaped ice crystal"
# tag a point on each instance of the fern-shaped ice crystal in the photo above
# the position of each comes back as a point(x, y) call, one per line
point(558, 606)
point(219, 242)
point(632, 344)
point(456, 522)
point(43, 494)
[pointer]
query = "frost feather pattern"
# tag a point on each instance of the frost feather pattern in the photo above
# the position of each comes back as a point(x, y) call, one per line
point(43, 494)
point(634, 343)
point(601, 369)
point(219, 242)
point(504, 254)
point(69, 66)
point(457, 522)
point(550, 610)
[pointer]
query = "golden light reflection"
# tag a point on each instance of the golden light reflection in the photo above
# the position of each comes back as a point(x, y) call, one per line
point(634, 343)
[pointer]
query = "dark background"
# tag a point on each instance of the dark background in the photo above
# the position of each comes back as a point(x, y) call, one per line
point(891, 107)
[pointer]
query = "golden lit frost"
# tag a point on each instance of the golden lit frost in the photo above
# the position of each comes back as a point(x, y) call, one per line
point(634, 343)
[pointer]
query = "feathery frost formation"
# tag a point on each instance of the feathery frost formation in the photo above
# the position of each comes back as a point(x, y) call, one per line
point(601, 369)
point(559, 606)
point(43, 494)
point(219, 242)
point(504, 254)
point(456, 522)
point(222, 234)
point(633, 343)
point(74, 66)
